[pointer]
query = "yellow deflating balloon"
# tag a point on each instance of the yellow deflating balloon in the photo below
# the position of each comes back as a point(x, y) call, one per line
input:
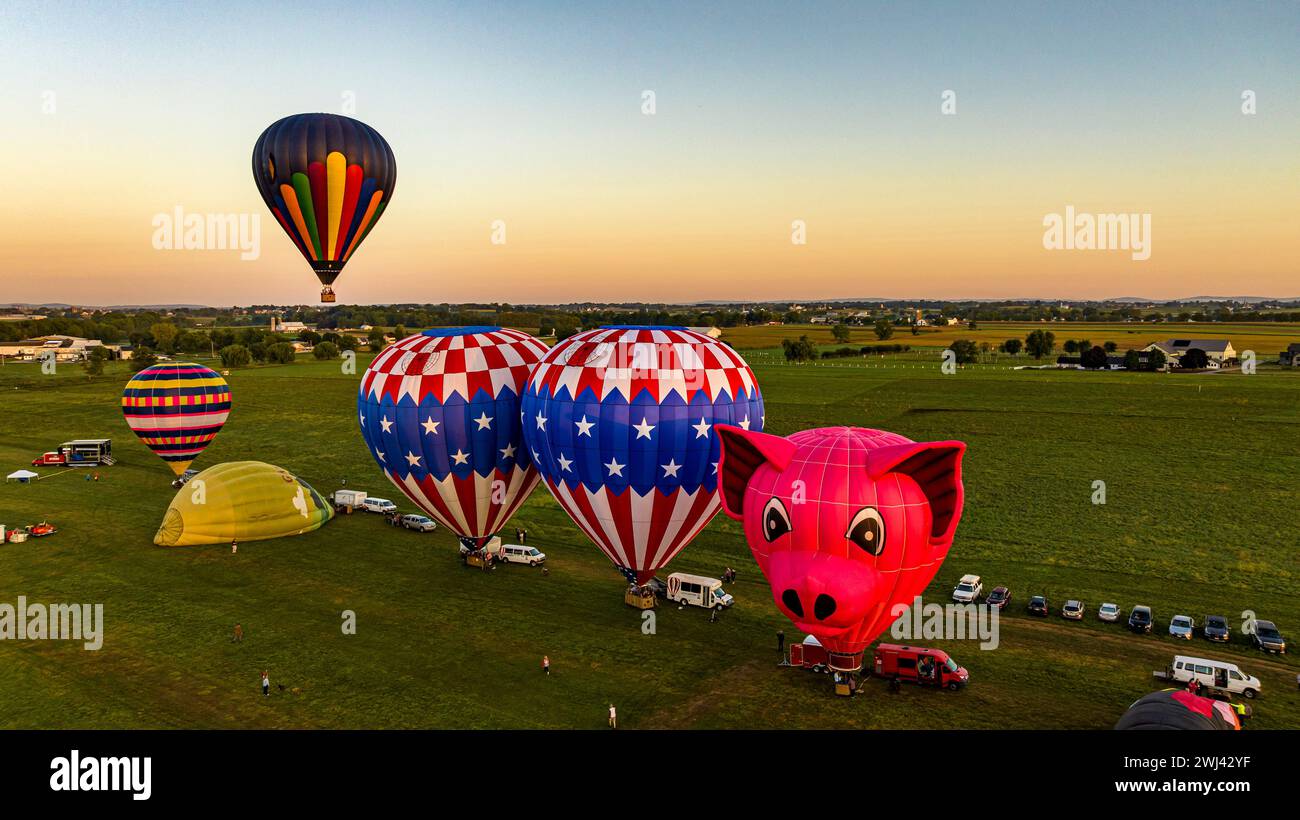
point(241, 501)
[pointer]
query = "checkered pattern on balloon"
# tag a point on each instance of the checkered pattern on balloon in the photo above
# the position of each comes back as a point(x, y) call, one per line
point(439, 412)
point(619, 422)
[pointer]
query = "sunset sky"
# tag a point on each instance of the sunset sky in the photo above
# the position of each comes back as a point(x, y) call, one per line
point(531, 113)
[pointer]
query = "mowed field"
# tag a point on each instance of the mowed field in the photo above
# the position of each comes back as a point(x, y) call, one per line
point(1201, 517)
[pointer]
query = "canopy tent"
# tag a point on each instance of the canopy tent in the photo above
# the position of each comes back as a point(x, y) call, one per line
point(23, 476)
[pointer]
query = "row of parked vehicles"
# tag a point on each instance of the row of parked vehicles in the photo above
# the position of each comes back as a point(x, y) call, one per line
point(1264, 635)
point(359, 500)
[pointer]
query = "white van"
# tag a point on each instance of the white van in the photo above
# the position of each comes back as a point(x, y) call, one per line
point(698, 590)
point(378, 505)
point(518, 554)
point(1214, 674)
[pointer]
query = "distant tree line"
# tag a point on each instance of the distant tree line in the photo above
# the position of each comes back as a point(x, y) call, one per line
point(803, 350)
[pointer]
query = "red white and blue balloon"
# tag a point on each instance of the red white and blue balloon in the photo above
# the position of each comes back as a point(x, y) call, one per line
point(619, 422)
point(439, 412)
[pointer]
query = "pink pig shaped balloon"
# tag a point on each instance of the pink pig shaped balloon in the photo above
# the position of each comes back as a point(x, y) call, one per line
point(845, 523)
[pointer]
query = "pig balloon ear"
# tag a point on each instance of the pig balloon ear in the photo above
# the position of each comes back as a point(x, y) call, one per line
point(936, 466)
point(743, 452)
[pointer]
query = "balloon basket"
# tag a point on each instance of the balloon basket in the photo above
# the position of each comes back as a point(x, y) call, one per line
point(477, 558)
point(845, 661)
point(327, 295)
point(640, 597)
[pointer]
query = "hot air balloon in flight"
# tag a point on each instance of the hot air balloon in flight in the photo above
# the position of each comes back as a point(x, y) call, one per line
point(241, 501)
point(439, 412)
point(176, 409)
point(846, 524)
point(620, 421)
point(327, 179)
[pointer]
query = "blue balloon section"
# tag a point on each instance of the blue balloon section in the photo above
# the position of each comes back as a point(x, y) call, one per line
point(619, 422)
point(439, 412)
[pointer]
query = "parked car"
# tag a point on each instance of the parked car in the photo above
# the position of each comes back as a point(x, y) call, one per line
point(1038, 606)
point(378, 505)
point(1215, 628)
point(1266, 637)
point(968, 589)
point(999, 598)
point(1181, 626)
point(1072, 610)
point(419, 523)
point(184, 478)
point(1109, 613)
point(1140, 619)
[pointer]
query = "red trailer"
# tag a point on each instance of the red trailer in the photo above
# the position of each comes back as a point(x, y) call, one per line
point(916, 664)
point(809, 655)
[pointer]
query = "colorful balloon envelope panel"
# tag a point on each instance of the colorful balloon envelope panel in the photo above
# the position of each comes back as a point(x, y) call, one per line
point(846, 523)
point(327, 179)
point(621, 422)
point(241, 501)
point(176, 410)
point(439, 412)
point(1179, 709)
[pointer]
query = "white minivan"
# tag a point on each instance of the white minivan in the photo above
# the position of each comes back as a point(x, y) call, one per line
point(1215, 674)
point(379, 505)
point(698, 590)
point(519, 554)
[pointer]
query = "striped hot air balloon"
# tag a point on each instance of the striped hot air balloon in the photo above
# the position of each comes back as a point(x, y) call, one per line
point(621, 422)
point(327, 179)
point(439, 412)
point(176, 409)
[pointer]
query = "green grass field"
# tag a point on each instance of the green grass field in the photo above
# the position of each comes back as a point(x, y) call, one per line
point(1201, 517)
point(1267, 339)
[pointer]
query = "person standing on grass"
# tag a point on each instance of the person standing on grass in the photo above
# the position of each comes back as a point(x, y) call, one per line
point(613, 717)
point(266, 683)
point(234, 546)
point(780, 641)
point(546, 665)
point(239, 634)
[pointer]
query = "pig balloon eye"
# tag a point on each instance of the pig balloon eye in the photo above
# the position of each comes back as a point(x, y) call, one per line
point(776, 522)
point(867, 530)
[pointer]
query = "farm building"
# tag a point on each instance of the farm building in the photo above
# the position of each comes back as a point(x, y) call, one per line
point(1291, 356)
point(278, 325)
point(65, 348)
point(1218, 351)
